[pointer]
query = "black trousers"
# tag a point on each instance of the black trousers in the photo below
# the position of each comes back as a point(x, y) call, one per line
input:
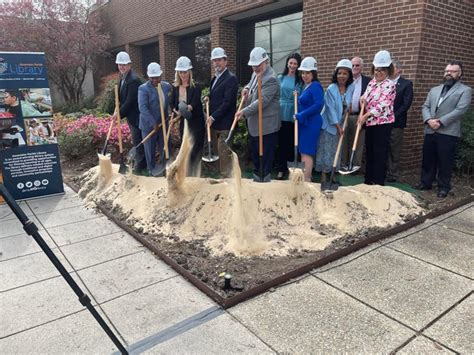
point(269, 146)
point(438, 160)
point(377, 142)
point(140, 160)
point(286, 143)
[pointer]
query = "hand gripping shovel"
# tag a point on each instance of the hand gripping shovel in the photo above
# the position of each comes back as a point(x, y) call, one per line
point(350, 168)
point(123, 168)
point(330, 186)
point(295, 164)
point(209, 157)
point(232, 128)
point(133, 152)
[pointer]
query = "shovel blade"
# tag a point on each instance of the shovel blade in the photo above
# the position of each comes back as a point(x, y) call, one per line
point(348, 170)
point(329, 186)
point(210, 158)
point(123, 169)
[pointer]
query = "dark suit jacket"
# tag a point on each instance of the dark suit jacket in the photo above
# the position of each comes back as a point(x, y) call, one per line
point(403, 100)
point(128, 95)
point(193, 96)
point(223, 99)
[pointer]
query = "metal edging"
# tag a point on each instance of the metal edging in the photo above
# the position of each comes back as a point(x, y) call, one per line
point(257, 290)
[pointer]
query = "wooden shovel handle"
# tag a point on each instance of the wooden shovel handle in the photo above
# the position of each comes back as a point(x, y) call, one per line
point(149, 135)
point(339, 144)
point(296, 121)
point(260, 116)
point(112, 122)
point(208, 123)
point(172, 121)
point(119, 120)
point(242, 100)
point(356, 137)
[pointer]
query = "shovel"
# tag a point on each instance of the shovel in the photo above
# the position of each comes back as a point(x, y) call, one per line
point(260, 129)
point(209, 157)
point(105, 165)
point(109, 132)
point(351, 168)
point(294, 164)
point(330, 186)
point(123, 168)
point(232, 128)
point(133, 152)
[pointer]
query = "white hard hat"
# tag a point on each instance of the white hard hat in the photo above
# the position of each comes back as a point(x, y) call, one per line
point(218, 53)
point(382, 59)
point(257, 56)
point(308, 64)
point(153, 70)
point(344, 63)
point(122, 58)
point(183, 64)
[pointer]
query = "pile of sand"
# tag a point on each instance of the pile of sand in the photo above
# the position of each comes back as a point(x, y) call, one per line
point(248, 218)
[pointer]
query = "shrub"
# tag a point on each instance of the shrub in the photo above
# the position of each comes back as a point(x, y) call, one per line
point(77, 143)
point(106, 99)
point(465, 150)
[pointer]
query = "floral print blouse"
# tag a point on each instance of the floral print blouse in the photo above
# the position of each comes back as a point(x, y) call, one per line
point(380, 98)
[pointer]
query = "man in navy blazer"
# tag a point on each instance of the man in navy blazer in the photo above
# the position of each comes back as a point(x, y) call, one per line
point(223, 99)
point(402, 104)
point(153, 101)
point(442, 112)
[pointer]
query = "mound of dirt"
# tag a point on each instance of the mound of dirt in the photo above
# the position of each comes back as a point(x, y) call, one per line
point(245, 218)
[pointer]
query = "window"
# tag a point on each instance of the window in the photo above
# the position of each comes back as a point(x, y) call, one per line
point(198, 49)
point(280, 36)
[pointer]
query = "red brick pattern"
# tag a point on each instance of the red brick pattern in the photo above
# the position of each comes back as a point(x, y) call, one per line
point(169, 53)
point(224, 34)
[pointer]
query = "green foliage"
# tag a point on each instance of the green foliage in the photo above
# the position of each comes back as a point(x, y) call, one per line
point(106, 99)
point(87, 104)
point(465, 151)
point(77, 143)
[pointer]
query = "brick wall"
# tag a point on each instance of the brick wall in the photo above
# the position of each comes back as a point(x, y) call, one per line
point(422, 34)
point(224, 34)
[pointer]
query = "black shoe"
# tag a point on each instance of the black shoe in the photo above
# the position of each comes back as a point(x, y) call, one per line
point(422, 186)
point(442, 194)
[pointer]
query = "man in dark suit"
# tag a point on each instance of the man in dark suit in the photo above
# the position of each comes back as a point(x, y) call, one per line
point(442, 112)
point(128, 96)
point(223, 98)
point(403, 100)
point(360, 84)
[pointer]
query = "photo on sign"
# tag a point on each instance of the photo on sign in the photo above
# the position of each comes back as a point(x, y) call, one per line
point(40, 130)
point(11, 128)
point(36, 102)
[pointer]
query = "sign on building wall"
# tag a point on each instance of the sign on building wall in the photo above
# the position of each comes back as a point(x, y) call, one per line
point(29, 155)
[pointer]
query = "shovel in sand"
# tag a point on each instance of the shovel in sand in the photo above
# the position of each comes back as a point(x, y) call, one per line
point(123, 167)
point(295, 164)
point(133, 152)
point(209, 157)
point(232, 128)
point(351, 168)
point(330, 186)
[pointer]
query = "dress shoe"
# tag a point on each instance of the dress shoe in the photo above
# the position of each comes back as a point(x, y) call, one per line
point(422, 186)
point(442, 194)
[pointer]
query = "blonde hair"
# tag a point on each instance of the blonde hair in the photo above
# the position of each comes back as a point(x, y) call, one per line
point(178, 82)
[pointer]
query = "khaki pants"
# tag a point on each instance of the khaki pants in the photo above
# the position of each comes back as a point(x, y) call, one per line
point(225, 159)
point(393, 162)
point(348, 140)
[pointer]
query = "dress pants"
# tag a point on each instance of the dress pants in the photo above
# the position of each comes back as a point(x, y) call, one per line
point(286, 145)
point(396, 142)
point(377, 141)
point(224, 152)
point(269, 146)
point(438, 160)
point(140, 160)
point(150, 148)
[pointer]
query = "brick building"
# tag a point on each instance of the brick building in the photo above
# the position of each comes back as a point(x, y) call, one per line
point(422, 34)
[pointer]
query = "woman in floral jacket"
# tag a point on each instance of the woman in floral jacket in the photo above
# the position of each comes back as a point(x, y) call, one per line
point(379, 117)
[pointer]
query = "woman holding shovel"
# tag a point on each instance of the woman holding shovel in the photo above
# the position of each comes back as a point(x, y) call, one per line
point(336, 101)
point(378, 100)
point(186, 98)
point(309, 118)
point(262, 112)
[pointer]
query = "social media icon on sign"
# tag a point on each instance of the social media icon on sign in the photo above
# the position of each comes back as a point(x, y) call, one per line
point(37, 183)
point(29, 184)
point(45, 182)
point(20, 185)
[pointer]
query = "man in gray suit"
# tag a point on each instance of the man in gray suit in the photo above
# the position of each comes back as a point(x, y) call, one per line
point(442, 113)
point(259, 61)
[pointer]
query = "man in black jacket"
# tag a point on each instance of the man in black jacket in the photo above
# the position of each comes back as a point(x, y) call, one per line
point(223, 98)
point(128, 96)
point(403, 100)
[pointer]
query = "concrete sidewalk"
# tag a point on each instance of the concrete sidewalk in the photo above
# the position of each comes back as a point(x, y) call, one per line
point(411, 293)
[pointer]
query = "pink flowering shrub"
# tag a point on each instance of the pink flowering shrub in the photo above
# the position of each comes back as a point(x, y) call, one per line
point(86, 135)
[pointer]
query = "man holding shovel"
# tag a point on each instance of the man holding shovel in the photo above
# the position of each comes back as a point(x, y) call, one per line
point(223, 98)
point(153, 101)
point(262, 112)
point(128, 95)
